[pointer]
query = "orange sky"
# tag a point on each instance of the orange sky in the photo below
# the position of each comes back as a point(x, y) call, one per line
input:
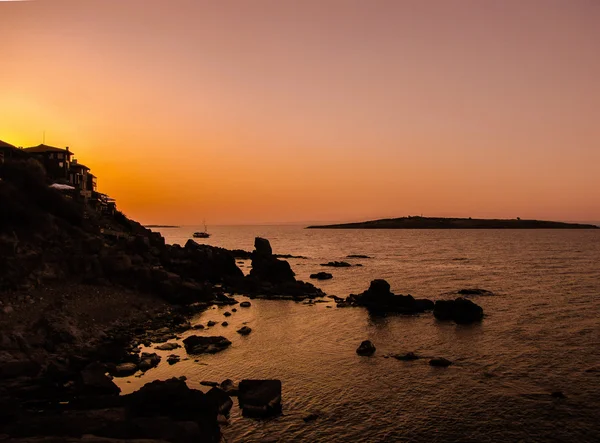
point(277, 111)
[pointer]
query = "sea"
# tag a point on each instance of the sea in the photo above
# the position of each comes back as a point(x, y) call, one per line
point(540, 335)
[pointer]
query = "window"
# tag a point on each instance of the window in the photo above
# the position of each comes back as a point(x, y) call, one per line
point(60, 156)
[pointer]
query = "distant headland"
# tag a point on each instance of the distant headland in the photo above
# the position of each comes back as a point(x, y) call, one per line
point(416, 222)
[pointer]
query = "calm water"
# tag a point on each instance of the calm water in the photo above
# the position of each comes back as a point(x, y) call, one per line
point(541, 334)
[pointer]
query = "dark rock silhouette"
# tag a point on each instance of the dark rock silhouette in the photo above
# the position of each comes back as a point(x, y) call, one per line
point(410, 356)
point(357, 256)
point(379, 298)
point(440, 362)
point(229, 387)
point(195, 344)
point(220, 400)
point(260, 398)
point(245, 304)
point(244, 330)
point(321, 276)
point(366, 348)
point(459, 310)
point(337, 264)
point(267, 268)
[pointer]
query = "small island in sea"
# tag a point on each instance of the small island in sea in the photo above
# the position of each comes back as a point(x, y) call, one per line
point(417, 222)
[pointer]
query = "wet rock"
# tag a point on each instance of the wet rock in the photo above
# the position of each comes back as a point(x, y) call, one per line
point(195, 344)
point(337, 264)
point(125, 370)
point(234, 310)
point(199, 326)
point(475, 291)
point(212, 384)
point(266, 267)
point(169, 346)
point(224, 324)
point(227, 314)
point(262, 247)
point(149, 361)
point(260, 398)
point(229, 387)
point(440, 362)
point(366, 348)
point(221, 401)
point(379, 298)
point(406, 357)
point(357, 256)
point(245, 330)
point(211, 323)
point(321, 276)
point(460, 310)
point(173, 358)
point(245, 304)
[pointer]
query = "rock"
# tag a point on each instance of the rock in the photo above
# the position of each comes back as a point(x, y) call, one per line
point(558, 394)
point(266, 267)
point(227, 314)
point(366, 348)
point(337, 264)
point(169, 346)
point(460, 310)
point(195, 344)
point(245, 304)
point(406, 357)
point(8, 309)
point(321, 276)
point(174, 399)
point(262, 247)
point(260, 397)
point(357, 256)
point(93, 381)
point(475, 291)
point(234, 310)
point(440, 362)
point(379, 298)
point(173, 358)
point(245, 330)
point(310, 417)
point(221, 401)
point(125, 370)
point(224, 324)
point(211, 323)
point(229, 387)
point(199, 326)
point(212, 384)
point(149, 361)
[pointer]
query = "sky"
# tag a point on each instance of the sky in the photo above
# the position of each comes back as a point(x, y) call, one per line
point(262, 111)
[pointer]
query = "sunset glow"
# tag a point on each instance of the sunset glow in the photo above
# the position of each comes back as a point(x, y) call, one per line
point(281, 111)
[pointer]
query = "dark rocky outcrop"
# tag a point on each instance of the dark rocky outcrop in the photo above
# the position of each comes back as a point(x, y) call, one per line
point(379, 298)
point(459, 310)
point(366, 348)
point(409, 356)
point(273, 278)
point(321, 276)
point(220, 400)
point(195, 344)
point(337, 264)
point(245, 304)
point(357, 256)
point(260, 398)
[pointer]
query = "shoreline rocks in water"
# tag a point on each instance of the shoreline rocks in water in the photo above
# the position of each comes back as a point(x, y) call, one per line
point(337, 264)
point(475, 291)
point(321, 276)
point(379, 298)
point(460, 310)
point(260, 398)
point(195, 344)
point(366, 348)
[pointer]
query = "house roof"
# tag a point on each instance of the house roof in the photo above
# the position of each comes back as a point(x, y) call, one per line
point(79, 166)
point(6, 145)
point(46, 148)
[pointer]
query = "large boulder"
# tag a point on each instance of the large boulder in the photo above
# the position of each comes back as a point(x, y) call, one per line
point(262, 247)
point(321, 276)
point(459, 310)
point(195, 344)
point(260, 397)
point(94, 381)
point(266, 267)
point(380, 298)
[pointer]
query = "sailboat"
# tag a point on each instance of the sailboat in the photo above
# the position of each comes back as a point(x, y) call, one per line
point(203, 234)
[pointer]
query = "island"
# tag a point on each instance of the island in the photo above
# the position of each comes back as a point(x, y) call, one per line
point(417, 222)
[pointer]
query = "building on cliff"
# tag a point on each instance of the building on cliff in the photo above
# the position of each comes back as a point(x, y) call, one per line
point(56, 161)
point(9, 151)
